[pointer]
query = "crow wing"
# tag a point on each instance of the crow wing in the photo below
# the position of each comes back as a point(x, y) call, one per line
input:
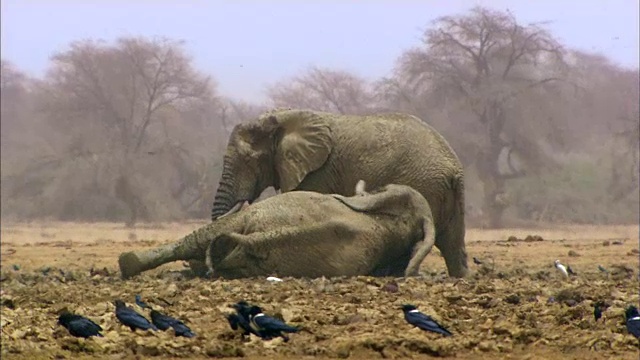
point(83, 327)
point(234, 321)
point(272, 324)
point(425, 322)
point(161, 321)
point(179, 327)
point(182, 330)
point(633, 326)
point(132, 319)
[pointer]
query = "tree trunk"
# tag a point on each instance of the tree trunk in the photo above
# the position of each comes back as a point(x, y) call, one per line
point(493, 201)
point(124, 192)
point(493, 182)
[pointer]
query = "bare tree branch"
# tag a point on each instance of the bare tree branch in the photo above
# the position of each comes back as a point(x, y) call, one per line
point(324, 90)
point(490, 61)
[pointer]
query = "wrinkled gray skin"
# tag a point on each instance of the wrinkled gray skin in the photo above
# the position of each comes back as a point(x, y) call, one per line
point(307, 234)
point(328, 153)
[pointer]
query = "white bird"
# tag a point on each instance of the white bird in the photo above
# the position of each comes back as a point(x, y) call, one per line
point(562, 268)
point(274, 279)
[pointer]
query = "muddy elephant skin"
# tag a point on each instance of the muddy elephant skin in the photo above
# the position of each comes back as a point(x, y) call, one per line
point(293, 149)
point(387, 232)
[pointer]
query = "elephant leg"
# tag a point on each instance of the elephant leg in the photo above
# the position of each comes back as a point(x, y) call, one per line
point(199, 267)
point(190, 247)
point(450, 242)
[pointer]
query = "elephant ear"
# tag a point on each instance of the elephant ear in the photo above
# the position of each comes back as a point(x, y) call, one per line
point(222, 247)
point(304, 145)
point(228, 247)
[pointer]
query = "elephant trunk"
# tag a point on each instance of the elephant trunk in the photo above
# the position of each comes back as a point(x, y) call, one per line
point(231, 195)
point(191, 247)
point(227, 195)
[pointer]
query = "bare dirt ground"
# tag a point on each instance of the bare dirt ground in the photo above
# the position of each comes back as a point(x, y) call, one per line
point(501, 311)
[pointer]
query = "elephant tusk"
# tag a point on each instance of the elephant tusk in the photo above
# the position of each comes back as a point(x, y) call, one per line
point(360, 188)
point(234, 209)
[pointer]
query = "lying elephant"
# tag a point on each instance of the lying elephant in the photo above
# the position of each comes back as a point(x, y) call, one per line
point(388, 232)
point(328, 153)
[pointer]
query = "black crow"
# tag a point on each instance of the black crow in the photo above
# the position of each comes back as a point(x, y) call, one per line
point(268, 327)
point(632, 319)
point(414, 317)
point(242, 307)
point(242, 318)
point(78, 325)
point(163, 322)
point(234, 321)
point(597, 310)
point(141, 303)
point(129, 317)
point(477, 261)
point(570, 271)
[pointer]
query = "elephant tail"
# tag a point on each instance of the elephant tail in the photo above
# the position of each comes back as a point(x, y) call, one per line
point(457, 186)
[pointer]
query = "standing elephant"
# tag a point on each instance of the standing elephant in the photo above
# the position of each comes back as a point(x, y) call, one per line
point(388, 232)
point(328, 153)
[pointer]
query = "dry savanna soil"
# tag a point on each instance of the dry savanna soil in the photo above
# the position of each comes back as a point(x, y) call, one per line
point(503, 310)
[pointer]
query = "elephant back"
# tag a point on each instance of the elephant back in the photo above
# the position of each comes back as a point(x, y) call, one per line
point(391, 148)
point(294, 208)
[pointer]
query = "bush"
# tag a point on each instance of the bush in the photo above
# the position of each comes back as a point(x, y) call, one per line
point(576, 193)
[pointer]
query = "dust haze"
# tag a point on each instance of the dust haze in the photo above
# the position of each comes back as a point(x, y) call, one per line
point(133, 131)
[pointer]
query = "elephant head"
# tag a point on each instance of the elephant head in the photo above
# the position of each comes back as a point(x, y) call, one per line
point(399, 201)
point(230, 257)
point(278, 150)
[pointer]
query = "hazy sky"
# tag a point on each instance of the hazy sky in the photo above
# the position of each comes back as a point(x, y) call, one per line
point(248, 44)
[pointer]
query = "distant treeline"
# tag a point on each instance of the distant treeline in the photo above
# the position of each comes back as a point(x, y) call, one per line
point(131, 131)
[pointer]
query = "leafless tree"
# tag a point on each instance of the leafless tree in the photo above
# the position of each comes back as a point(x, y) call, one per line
point(233, 112)
point(13, 91)
point(115, 101)
point(625, 126)
point(17, 113)
point(607, 119)
point(488, 64)
point(323, 90)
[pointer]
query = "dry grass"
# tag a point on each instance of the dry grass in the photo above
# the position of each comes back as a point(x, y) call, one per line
point(78, 246)
point(83, 244)
point(99, 244)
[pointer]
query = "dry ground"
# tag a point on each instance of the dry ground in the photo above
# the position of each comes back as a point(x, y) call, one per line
point(502, 311)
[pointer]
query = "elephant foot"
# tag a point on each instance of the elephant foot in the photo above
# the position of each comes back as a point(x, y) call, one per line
point(459, 272)
point(456, 261)
point(199, 268)
point(130, 264)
